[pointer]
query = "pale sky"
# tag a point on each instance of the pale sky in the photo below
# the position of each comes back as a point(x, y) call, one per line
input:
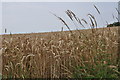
point(59, 0)
point(0, 17)
point(27, 17)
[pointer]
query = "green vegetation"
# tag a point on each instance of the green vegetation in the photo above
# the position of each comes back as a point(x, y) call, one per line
point(114, 24)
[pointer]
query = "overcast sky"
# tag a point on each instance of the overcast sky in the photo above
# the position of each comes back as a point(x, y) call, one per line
point(59, 0)
point(27, 17)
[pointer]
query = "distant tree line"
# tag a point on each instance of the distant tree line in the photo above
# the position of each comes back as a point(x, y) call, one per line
point(114, 24)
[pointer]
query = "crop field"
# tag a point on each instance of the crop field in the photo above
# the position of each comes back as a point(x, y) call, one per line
point(90, 53)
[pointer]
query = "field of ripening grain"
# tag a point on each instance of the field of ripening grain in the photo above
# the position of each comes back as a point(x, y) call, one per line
point(88, 53)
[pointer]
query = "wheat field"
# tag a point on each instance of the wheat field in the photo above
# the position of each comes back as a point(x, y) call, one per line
point(90, 53)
